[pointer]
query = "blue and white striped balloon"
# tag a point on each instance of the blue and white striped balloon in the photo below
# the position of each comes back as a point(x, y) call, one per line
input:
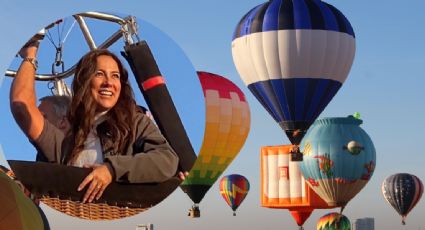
point(294, 55)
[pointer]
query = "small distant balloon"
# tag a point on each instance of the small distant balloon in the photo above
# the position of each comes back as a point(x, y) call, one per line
point(234, 189)
point(402, 191)
point(333, 221)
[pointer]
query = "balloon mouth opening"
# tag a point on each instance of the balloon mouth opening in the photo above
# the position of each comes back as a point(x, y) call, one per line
point(337, 204)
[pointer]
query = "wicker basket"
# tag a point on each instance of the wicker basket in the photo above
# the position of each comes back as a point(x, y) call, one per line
point(90, 211)
point(60, 193)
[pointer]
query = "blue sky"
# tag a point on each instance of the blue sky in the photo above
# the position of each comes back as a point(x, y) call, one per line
point(385, 85)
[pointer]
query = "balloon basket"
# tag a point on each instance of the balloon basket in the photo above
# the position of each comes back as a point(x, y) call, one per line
point(296, 156)
point(194, 212)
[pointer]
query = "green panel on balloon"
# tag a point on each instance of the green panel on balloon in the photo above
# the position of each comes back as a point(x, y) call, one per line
point(207, 172)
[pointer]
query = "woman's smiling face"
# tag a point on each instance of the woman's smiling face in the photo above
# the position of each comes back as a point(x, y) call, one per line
point(105, 83)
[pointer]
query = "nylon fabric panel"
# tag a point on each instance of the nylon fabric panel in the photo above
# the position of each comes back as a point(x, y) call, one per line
point(286, 16)
point(301, 216)
point(271, 54)
point(271, 16)
point(295, 180)
point(257, 21)
point(282, 98)
point(391, 185)
point(329, 93)
point(301, 54)
point(257, 93)
point(264, 90)
point(257, 56)
point(241, 28)
point(273, 189)
point(289, 99)
point(316, 55)
point(300, 95)
point(419, 188)
point(343, 24)
point(415, 195)
point(286, 51)
point(302, 18)
point(318, 95)
point(388, 192)
point(285, 178)
point(293, 14)
point(328, 16)
point(346, 50)
point(242, 58)
point(245, 25)
point(224, 188)
point(316, 16)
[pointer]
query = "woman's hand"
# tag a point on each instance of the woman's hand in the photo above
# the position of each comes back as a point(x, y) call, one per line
point(98, 179)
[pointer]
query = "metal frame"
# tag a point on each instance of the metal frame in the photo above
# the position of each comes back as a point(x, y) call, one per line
point(128, 31)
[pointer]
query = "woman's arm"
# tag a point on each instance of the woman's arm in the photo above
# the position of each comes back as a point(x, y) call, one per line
point(22, 96)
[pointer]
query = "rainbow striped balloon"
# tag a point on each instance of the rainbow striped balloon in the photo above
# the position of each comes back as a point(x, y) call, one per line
point(226, 129)
point(234, 189)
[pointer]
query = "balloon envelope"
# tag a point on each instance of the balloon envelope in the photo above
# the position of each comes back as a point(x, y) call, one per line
point(334, 172)
point(18, 211)
point(334, 221)
point(402, 191)
point(227, 127)
point(294, 56)
point(234, 189)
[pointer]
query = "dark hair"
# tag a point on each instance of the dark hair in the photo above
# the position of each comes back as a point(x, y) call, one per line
point(83, 107)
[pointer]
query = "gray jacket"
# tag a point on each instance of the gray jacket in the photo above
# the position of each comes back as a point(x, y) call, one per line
point(148, 159)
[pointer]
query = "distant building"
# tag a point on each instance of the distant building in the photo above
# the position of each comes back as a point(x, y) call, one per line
point(144, 227)
point(364, 224)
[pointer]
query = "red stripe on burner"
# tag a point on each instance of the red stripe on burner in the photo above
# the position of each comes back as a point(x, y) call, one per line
point(153, 82)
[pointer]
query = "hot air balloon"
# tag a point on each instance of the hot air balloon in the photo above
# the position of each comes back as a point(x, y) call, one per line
point(294, 56)
point(333, 221)
point(227, 127)
point(234, 189)
point(284, 187)
point(18, 211)
point(332, 169)
point(402, 191)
